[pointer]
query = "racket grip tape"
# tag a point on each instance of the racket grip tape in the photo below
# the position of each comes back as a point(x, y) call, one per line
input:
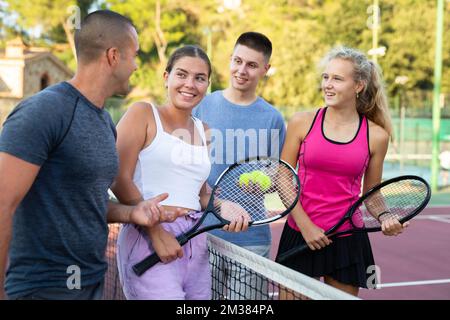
point(182, 239)
point(140, 267)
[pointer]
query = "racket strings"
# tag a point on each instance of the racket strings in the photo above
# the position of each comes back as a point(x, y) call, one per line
point(398, 200)
point(262, 189)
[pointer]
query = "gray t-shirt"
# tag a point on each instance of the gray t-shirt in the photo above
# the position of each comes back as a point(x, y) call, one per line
point(60, 226)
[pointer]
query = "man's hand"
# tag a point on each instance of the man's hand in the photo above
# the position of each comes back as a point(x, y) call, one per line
point(149, 212)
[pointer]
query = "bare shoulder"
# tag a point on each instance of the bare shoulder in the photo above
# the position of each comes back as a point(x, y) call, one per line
point(300, 122)
point(304, 118)
point(378, 139)
point(377, 134)
point(139, 112)
point(140, 108)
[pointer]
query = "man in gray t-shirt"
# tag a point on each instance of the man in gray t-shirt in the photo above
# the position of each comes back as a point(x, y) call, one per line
point(57, 160)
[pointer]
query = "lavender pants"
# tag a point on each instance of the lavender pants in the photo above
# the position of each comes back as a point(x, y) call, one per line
point(186, 278)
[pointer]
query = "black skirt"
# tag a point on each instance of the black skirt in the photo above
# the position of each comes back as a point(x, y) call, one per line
point(348, 259)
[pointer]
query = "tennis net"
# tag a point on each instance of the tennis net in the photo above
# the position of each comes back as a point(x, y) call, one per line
point(238, 274)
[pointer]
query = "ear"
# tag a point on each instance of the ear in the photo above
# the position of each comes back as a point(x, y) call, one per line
point(360, 86)
point(112, 56)
point(266, 68)
point(166, 79)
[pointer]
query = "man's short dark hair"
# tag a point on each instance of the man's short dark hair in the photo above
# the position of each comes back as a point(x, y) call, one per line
point(99, 31)
point(256, 41)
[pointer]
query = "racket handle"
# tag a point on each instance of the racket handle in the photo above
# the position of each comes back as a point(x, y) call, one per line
point(140, 267)
point(148, 262)
point(291, 252)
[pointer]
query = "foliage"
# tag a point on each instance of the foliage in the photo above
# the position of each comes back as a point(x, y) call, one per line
point(53, 18)
point(301, 32)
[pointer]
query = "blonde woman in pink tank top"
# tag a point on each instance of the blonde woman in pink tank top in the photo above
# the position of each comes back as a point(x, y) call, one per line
point(338, 149)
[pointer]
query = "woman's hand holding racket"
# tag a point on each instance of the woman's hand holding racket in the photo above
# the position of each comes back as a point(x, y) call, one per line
point(386, 207)
point(238, 216)
point(391, 226)
point(314, 236)
point(164, 244)
point(276, 196)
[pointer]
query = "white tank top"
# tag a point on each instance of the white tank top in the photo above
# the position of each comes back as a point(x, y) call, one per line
point(171, 165)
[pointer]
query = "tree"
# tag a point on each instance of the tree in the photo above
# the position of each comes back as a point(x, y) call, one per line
point(51, 15)
point(302, 31)
point(2, 26)
point(162, 25)
point(6, 29)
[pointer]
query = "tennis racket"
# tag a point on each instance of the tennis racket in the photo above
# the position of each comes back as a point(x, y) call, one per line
point(401, 198)
point(271, 197)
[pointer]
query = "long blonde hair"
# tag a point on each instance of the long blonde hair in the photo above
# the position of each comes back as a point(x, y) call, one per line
point(372, 101)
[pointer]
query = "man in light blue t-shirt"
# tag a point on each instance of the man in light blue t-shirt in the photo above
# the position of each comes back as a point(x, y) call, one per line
point(243, 125)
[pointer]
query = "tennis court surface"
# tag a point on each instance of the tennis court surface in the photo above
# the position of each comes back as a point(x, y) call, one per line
point(238, 274)
point(413, 265)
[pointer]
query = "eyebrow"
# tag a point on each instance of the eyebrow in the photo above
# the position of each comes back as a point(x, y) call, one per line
point(235, 56)
point(185, 71)
point(336, 75)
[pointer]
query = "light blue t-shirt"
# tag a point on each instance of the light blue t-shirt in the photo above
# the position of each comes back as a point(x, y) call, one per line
point(240, 132)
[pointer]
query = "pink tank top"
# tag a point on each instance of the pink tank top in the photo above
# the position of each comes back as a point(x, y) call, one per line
point(330, 173)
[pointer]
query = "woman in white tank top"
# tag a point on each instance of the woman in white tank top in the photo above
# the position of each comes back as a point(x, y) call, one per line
point(164, 149)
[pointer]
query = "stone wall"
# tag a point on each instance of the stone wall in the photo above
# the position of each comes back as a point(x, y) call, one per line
point(35, 70)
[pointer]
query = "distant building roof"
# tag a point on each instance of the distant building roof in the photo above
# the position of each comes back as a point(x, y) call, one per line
point(16, 49)
point(19, 55)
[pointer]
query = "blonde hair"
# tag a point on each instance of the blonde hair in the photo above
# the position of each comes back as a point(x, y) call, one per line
point(372, 101)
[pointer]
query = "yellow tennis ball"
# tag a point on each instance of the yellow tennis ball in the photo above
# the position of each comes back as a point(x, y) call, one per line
point(261, 179)
point(265, 182)
point(256, 175)
point(244, 179)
